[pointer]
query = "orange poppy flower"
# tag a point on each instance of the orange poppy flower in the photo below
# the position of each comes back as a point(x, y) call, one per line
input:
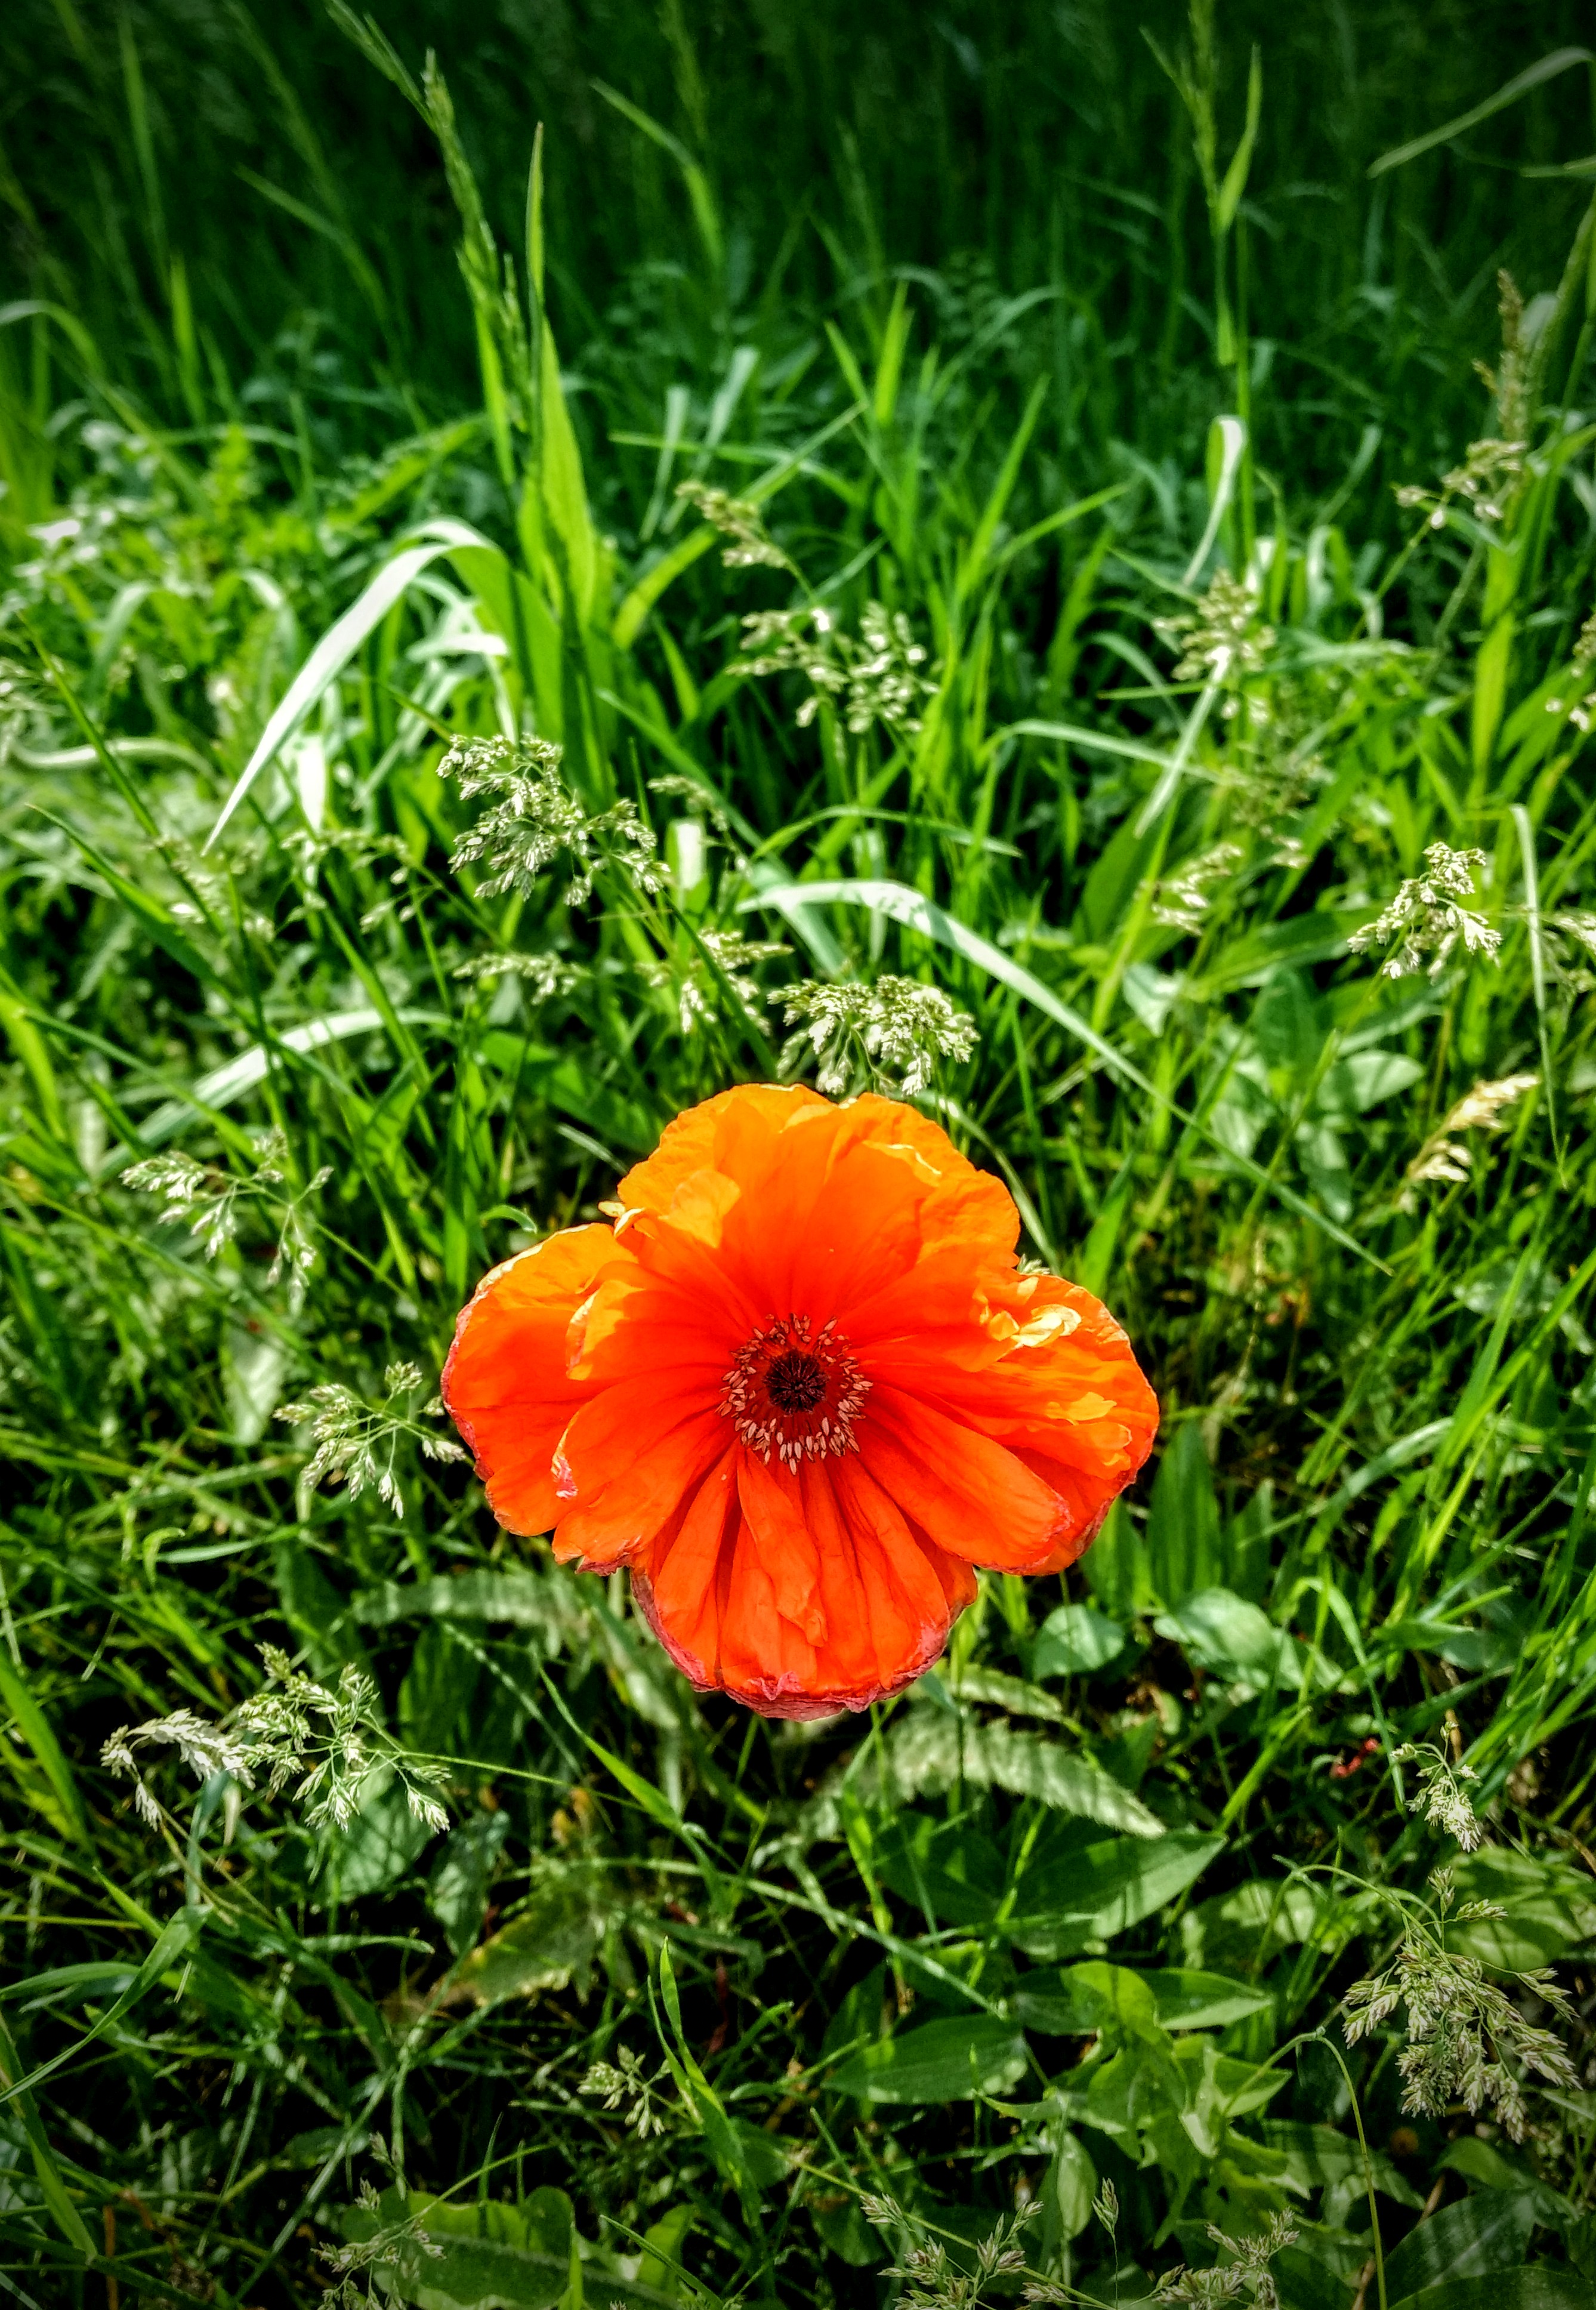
point(800, 1389)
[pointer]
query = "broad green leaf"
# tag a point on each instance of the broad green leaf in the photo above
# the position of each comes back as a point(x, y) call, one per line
point(765, 2159)
point(1116, 1568)
point(1127, 2093)
point(1319, 2156)
point(945, 1866)
point(1072, 1906)
point(1542, 2288)
point(1488, 2167)
point(1478, 2235)
point(1289, 1022)
point(860, 2016)
point(955, 2060)
point(1353, 1085)
point(1251, 1924)
point(379, 1845)
point(521, 1598)
point(1220, 2086)
point(254, 1372)
point(552, 1940)
point(1548, 1904)
point(844, 2230)
point(458, 1894)
point(490, 2254)
point(1076, 1640)
point(440, 1684)
point(931, 1749)
point(1232, 1638)
point(1073, 2183)
point(1202, 2001)
point(1083, 1999)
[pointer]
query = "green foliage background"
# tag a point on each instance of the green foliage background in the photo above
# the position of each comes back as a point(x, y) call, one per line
point(947, 296)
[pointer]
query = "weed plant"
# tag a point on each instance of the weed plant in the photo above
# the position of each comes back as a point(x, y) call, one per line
point(936, 558)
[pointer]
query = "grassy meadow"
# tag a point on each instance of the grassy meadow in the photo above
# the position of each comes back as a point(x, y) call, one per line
point(555, 559)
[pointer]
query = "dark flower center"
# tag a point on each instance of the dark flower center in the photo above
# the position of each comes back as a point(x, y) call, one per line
point(794, 1392)
point(795, 1382)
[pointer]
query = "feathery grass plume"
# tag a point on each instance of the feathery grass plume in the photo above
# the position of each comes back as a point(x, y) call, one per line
point(613, 2085)
point(1223, 638)
point(1484, 483)
point(928, 2280)
point(1181, 901)
point(543, 975)
point(215, 1199)
point(357, 1442)
point(794, 641)
point(1246, 2275)
point(400, 2248)
point(1580, 711)
point(873, 677)
point(1443, 1799)
point(204, 1747)
point(1494, 469)
point(1462, 2029)
point(1574, 950)
point(704, 804)
point(885, 683)
point(536, 817)
point(697, 989)
point(1444, 1160)
point(896, 1027)
point(332, 1741)
point(752, 547)
point(1427, 917)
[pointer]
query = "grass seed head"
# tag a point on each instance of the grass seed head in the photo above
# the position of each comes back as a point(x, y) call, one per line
point(1426, 920)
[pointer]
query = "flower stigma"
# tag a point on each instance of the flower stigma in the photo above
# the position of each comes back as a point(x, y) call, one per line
point(794, 1392)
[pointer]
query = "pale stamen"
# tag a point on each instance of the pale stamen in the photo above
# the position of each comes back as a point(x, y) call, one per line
point(794, 1392)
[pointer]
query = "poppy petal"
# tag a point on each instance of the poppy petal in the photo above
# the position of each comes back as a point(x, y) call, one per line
point(970, 1495)
point(841, 1284)
point(680, 1580)
point(505, 1383)
point(618, 1497)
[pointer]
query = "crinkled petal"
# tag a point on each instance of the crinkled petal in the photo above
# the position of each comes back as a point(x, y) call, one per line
point(506, 1382)
point(998, 1414)
point(970, 1495)
point(623, 1468)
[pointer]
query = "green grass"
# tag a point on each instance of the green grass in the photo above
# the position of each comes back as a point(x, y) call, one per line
point(952, 303)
